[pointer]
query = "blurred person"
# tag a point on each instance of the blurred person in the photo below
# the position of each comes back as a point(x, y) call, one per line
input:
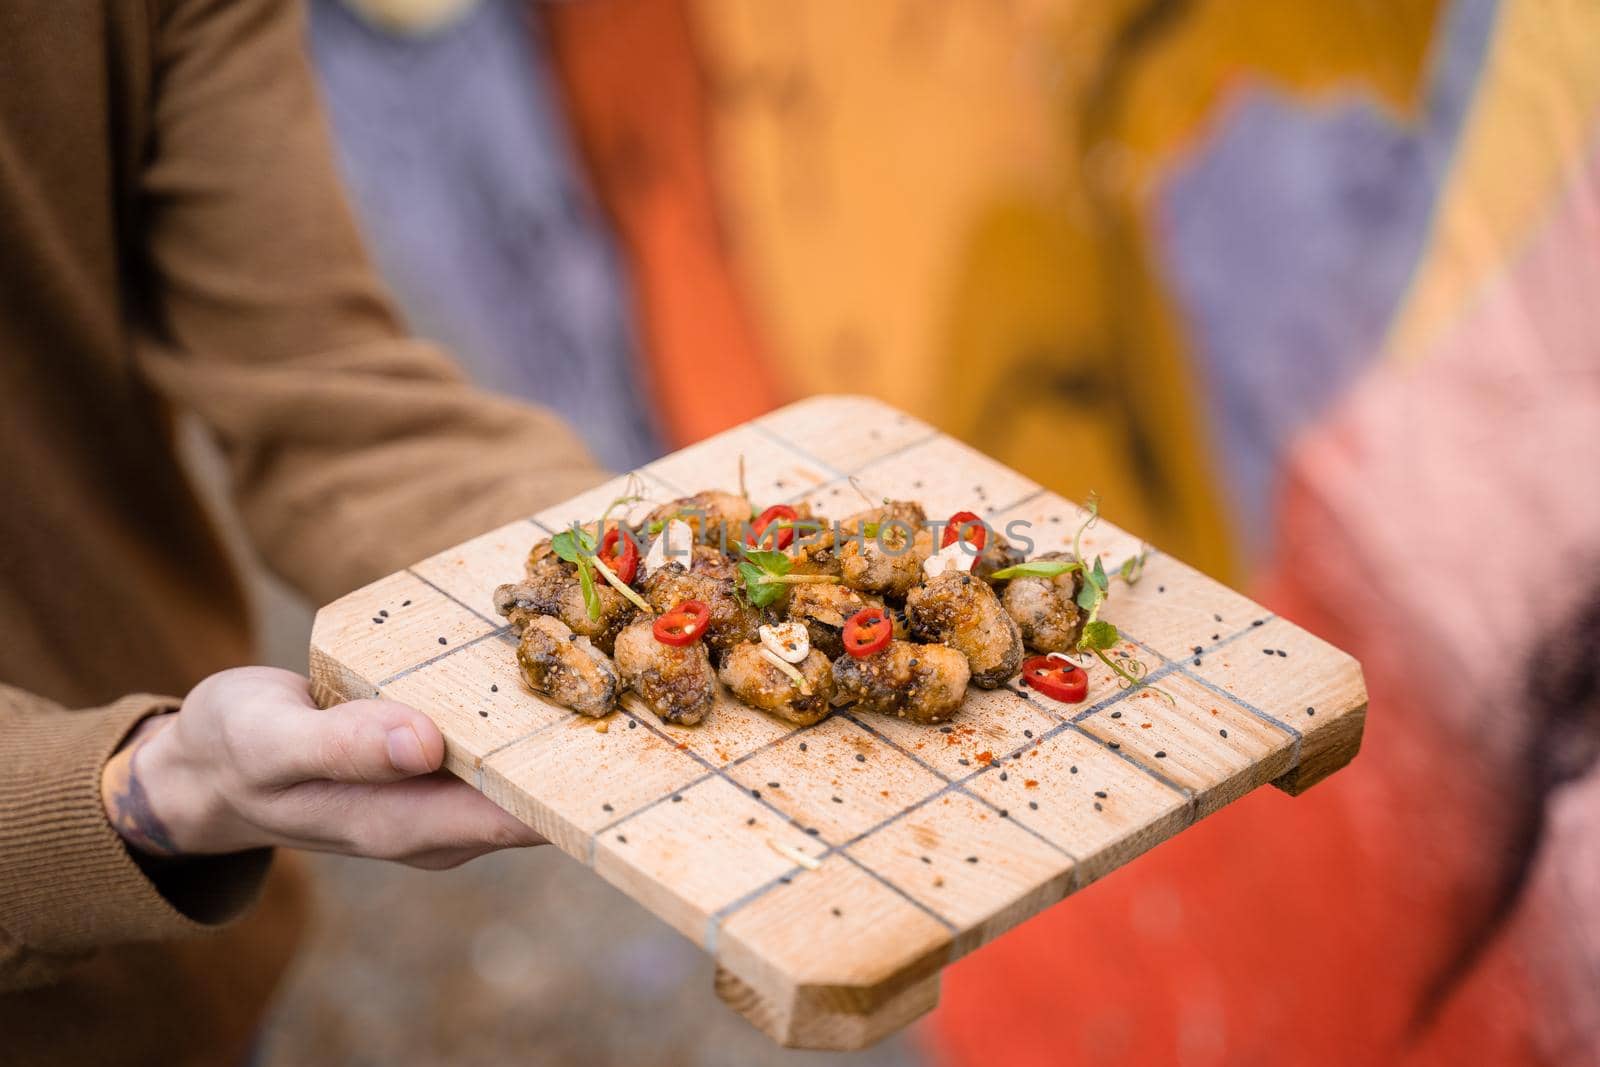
point(176, 242)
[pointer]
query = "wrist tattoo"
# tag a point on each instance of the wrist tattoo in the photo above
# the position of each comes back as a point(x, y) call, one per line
point(128, 805)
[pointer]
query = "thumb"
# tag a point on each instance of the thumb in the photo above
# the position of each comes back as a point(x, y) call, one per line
point(362, 741)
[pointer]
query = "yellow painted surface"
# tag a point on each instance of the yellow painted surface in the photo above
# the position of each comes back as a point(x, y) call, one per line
point(943, 202)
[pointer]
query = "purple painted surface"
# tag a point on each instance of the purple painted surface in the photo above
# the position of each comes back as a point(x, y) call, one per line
point(466, 184)
point(1288, 239)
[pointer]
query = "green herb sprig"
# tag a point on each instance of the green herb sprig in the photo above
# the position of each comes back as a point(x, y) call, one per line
point(765, 576)
point(1097, 635)
point(578, 547)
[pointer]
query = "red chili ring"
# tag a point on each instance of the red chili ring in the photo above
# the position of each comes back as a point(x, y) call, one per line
point(1056, 679)
point(623, 561)
point(867, 631)
point(683, 625)
point(767, 518)
point(959, 525)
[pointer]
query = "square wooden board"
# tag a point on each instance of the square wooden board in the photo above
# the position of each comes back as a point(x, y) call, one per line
point(833, 870)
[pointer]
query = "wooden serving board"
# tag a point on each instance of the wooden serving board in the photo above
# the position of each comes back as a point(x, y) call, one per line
point(918, 844)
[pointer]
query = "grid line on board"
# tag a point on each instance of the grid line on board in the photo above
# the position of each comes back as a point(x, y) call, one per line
point(775, 810)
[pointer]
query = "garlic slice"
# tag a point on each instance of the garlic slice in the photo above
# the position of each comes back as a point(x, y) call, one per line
point(795, 676)
point(954, 556)
point(677, 535)
point(789, 641)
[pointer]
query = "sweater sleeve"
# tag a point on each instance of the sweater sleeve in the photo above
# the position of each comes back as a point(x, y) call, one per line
point(353, 450)
point(67, 882)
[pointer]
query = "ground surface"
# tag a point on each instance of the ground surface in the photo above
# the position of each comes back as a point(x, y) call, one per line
point(515, 958)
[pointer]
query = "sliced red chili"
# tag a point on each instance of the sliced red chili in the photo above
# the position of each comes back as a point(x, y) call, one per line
point(683, 625)
point(776, 513)
point(867, 631)
point(1056, 679)
point(965, 525)
point(618, 551)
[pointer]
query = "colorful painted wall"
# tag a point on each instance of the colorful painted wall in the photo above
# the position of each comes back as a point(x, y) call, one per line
point(1306, 291)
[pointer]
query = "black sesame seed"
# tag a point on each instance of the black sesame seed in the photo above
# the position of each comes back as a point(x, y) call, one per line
point(1258, 622)
point(913, 661)
point(802, 746)
point(860, 758)
point(1003, 776)
point(1004, 814)
point(774, 785)
point(1027, 733)
point(1223, 732)
point(972, 859)
point(1160, 754)
point(925, 859)
point(786, 879)
point(377, 620)
point(1282, 653)
point(622, 839)
point(1197, 661)
point(812, 830)
point(1116, 714)
point(836, 911)
point(964, 762)
point(494, 689)
point(836, 800)
point(1033, 805)
point(607, 807)
point(405, 603)
point(573, 637)
point(1024, 695)
point(1266, 651)
point(1112, 744)
point(751, 821)
point(442, 641)
point(1198, 649)
point(944, 729)
point(1311, 711)
point(1101, 793)
point(384, 612)
point(1216, 637)
point(483, 714)
point(677, 799)
point(1073, 768)
point(756, 793)
point(1215, 617)
point(1098, 806)
point(1161, 589)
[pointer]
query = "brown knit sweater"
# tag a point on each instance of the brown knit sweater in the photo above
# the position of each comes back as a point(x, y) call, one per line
point(172, 239)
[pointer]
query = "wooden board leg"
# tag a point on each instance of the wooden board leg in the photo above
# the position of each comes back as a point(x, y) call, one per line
point(809, 1025)
point(1326, 752)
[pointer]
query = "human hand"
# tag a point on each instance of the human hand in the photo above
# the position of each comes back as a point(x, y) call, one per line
point(249, 760)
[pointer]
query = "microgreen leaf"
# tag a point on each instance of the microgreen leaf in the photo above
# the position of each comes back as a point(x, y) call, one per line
point(1089, 597)
point(757, 589)
point(573, 543)
point(1098, 636)
point(1038, 568)
point(1132, 568)
point(758, 571)
point(591, 596)
point(577, 546)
